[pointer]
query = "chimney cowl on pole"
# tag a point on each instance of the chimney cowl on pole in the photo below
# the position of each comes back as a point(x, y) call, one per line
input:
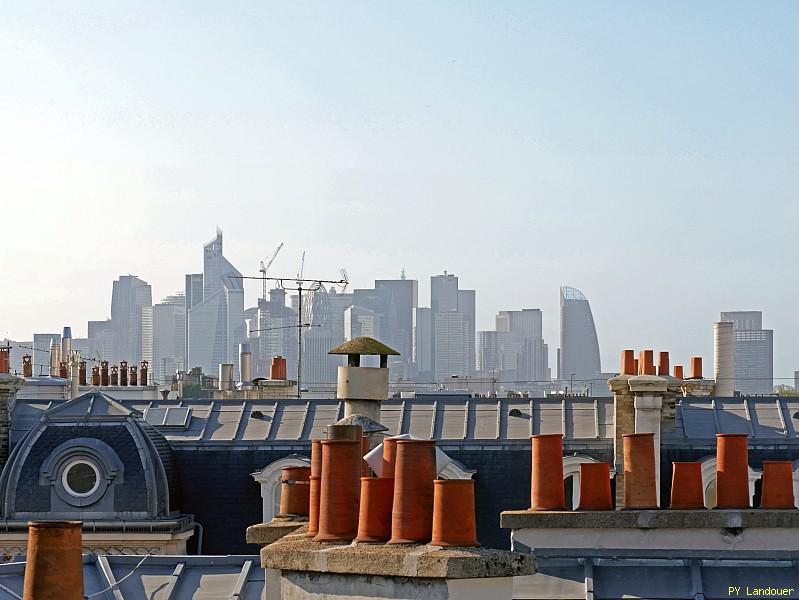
point(363, 388)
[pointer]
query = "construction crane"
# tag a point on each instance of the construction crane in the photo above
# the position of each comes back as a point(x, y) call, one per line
point(345, 279)
point(265, 267)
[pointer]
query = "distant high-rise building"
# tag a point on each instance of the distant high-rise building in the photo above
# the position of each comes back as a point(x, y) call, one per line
point(753, 352)
point(579, 360)
point(405, 299)
point(423, 344)
point(521, 354)
point(169, 330)
point(319, 369)
point(359, 321)
point(277, 333)
point(453, 328)
point(131, 320)
point(41, 352)
point(215, 323)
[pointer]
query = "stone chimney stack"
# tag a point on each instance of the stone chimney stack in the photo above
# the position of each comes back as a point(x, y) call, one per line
point(642, 404)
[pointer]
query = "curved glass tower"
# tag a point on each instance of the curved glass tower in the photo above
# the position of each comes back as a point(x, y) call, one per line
point(579, 346)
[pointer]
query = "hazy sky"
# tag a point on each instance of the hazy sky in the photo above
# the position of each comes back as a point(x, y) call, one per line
point(644, 152)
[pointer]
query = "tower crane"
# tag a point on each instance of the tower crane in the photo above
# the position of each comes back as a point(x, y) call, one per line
point(265, 267)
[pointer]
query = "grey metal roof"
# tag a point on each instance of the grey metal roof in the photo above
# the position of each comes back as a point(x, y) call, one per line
point(158, 577)
point(639, 574)
point(766, 418)
point(445, 417)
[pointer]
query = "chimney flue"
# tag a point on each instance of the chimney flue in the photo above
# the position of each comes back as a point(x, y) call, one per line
point(27, 365)
point(123, 372)
point(104, 373)
point(132, 379)
point(144, 372)
point(663, 364)
point(696, 367)
point(628, 362)
point(54, 565)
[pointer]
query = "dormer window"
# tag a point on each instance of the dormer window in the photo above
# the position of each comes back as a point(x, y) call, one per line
point(81, 478)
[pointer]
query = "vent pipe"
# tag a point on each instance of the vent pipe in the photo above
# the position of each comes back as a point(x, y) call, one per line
point(245, 363)
point(55, 358)
point(723, 346)
point(226, 377)
point(66, 344)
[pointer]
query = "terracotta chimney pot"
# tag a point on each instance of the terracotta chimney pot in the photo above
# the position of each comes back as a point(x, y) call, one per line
point(412, 509)
point(546, 478)
point(374, 520)
point(687, 492)
point(696, 367)
point(54, 566)
point(777, 489)
point(732, 470)
point(295, 491)
point(595, 487)
point(646, 362)
point(663, 364)
point(639, 471)
point(454, 521)
point(340, 483)
point(628, 362)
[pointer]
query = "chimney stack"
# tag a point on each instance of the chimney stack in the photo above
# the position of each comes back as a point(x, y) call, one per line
point(114, 377)
point(295, 491)
point(96, 376)
point(5, 359)
point(144, 372)
point(82, 372)
point(104, 373)
point(679, 372)
point(123, 372)
point(132, 380)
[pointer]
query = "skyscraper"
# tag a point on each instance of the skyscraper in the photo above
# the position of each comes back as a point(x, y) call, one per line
point(215, 323)
point(405, 299)
point(579, 360)
point(521, 354)
point(131, 320)
point(453, 328)
point(169, 329)
point(753, 362)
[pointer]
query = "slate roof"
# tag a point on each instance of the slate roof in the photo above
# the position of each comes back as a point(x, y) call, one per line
point(446, 417)
point(766, 418)
point(173, 577)
point(452, 419)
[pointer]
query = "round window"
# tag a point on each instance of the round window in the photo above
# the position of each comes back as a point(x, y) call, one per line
point(81, 478)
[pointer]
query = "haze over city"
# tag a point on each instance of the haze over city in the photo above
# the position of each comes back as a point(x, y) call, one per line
point(521, 147)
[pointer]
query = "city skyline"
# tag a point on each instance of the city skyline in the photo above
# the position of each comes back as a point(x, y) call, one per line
point(448, 300)
point(523, 147)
